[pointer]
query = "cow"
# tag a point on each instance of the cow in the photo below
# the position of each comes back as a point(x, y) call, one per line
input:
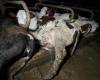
point(14, 42)
point(85, 25)
point(55, 35)
point(55, 31)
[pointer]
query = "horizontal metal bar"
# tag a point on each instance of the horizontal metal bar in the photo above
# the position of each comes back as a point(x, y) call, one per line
point(54, 6)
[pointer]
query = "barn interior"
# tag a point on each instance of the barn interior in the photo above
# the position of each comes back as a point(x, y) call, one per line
point(83, 65)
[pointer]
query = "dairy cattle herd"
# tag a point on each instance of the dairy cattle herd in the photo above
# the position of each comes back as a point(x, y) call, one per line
point(53, 30)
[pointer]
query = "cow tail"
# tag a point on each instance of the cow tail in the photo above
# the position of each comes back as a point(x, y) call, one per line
point(75, 43)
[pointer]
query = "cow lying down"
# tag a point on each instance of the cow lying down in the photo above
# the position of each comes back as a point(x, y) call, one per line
point(85, 25)
point(54, 32)
point(15, 42)
point(55, 35)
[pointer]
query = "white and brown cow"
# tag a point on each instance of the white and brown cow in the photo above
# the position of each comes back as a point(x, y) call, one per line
point(86, 26)
point(83, 24)
point(56, 35)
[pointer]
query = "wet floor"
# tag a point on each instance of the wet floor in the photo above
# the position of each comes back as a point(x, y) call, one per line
point(84, 65)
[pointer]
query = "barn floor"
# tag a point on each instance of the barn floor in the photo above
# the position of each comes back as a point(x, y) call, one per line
point(84, 65)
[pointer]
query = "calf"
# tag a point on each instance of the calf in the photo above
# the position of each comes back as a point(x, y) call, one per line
point(15, 42)
point(86, 26)
point(55, 35)
point(83, 24)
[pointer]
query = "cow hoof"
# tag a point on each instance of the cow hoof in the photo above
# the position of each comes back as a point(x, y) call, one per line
point(48, 77)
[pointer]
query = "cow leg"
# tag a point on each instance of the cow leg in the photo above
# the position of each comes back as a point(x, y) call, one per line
point(60, 53)
point(23, 61)
point(16, 67)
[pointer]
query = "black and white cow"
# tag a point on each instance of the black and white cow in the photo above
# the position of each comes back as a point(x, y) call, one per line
point(15, 42)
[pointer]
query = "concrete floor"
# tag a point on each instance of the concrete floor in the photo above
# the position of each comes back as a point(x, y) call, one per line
point(84, 65)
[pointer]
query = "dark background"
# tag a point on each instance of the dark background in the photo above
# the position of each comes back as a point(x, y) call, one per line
point(88, 4)
point(92, 4)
